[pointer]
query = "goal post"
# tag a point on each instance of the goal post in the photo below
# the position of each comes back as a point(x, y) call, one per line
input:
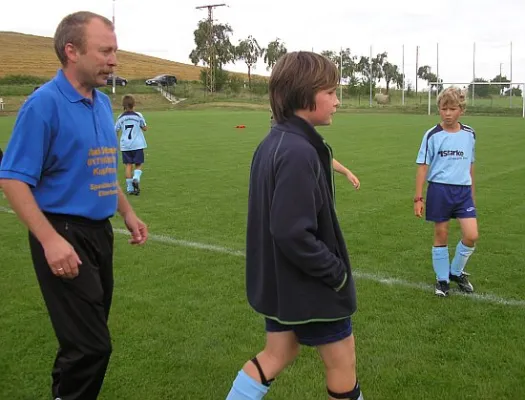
point(467, 84)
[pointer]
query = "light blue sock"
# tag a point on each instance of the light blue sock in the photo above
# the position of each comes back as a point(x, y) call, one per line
point(246, 388)
point(137, 174)
point(441, 263)
point(129, 185)
point(460, 259)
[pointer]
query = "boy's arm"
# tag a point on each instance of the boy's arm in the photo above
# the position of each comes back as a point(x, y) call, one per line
point(421, 175)
point(293, 218)
point(340, 168)
point(473, 186)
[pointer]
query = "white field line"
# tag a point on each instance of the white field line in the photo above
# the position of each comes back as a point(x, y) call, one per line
point(169, 240)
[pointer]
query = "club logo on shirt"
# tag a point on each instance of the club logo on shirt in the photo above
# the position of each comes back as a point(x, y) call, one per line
point(451, 153)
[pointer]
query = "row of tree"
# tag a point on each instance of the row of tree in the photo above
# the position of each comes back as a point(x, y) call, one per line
point(213, 41)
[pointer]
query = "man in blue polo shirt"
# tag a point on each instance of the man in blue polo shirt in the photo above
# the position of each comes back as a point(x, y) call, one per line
point(59, 174)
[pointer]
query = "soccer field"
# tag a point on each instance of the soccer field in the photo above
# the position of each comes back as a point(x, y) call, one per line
point(180, 322)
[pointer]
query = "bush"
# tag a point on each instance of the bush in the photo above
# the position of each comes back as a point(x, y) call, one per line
point(236, 84)
point(22, 80)
point(259, 86)
point(221, 78)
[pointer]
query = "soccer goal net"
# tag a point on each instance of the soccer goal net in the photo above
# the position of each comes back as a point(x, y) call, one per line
point(484, 97)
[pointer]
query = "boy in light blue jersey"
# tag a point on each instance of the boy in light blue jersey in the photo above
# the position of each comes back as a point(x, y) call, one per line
point(132, 126)
point(446, 160)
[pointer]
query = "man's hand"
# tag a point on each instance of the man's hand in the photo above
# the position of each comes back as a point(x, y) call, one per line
point(61, 257)
point(137, 228)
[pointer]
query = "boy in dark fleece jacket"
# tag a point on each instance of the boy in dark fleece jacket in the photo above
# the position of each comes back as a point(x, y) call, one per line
point(298, 271)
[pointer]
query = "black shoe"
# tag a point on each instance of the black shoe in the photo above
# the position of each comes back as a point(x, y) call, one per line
point(463, 282)
point(442, 288)
point(136, 188)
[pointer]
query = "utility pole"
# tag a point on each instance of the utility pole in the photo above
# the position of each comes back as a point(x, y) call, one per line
point(417, 64)
point(113, 78)
point(210, 72)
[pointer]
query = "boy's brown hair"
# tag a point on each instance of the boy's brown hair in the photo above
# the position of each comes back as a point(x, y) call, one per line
point(452, 96)
point(295, 80)
point(128, 102)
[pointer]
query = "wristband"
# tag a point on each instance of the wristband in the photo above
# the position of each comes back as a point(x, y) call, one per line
point(418, 199)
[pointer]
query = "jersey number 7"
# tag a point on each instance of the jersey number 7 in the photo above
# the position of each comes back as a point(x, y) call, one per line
point(130, 129)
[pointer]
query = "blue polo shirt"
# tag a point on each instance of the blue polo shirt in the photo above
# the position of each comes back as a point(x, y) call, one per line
point(65, 148)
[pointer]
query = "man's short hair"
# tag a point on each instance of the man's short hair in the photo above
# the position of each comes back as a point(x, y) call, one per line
point(295, 80)
point(72, 30)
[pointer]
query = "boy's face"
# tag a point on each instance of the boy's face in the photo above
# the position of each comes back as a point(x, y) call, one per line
point(450, 114)
point(326, 103)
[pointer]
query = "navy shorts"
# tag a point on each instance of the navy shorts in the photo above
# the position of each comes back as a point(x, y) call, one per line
point(133, 156)
point(449, 201)
point(314, 333)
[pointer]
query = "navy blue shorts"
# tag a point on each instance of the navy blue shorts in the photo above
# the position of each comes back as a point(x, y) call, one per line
point(133, 157)
point(314, 333)
point(449, 201)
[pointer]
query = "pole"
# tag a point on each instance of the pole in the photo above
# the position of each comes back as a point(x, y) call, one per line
point(437, 71)
point(417, 64)
point(341, 77)
point(510, 90)
point(113, 90)
point(210, 71)
point(429, 98)
point(403, 72)
point(370, 75)
point(473, 71)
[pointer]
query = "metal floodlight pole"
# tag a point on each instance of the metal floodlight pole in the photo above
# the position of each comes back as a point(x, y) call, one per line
point(370, 75)
point(510, 89)
point(473, 71)
point(114, 79)
point(403, 72)
point(341, 77)
point(437, 70)
point(210, 72)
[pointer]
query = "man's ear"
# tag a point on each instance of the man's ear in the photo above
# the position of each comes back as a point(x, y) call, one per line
point(71, 52)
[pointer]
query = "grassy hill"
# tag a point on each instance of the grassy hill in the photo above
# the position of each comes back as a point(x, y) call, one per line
point(22, 54)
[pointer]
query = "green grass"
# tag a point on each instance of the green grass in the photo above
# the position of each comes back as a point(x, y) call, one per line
point(180, 322)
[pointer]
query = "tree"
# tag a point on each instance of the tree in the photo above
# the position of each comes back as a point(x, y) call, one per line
point(425, 73)
point(220, 49)
point(499, 89)
point(273, 52)
point(377, 65)
point(479, 90)
point(391, 74)
point(399, 79)
point(349, 65)
point(249, 51)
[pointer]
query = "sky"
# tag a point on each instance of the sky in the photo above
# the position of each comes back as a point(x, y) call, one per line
point(444, 30)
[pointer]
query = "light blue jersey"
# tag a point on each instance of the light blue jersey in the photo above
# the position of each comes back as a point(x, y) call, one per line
point(448, 155)
point(130, 123)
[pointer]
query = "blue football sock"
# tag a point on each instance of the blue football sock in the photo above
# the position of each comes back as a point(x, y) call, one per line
point(129, 185)
point(246, 388)
point(460, 259)
point(137, 174)
point(441, 263)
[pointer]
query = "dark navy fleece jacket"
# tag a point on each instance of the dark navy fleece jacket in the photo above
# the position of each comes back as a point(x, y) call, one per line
point(297, 264)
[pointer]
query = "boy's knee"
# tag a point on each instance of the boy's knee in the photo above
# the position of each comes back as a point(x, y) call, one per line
point(282, 358)
point(470, 240)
